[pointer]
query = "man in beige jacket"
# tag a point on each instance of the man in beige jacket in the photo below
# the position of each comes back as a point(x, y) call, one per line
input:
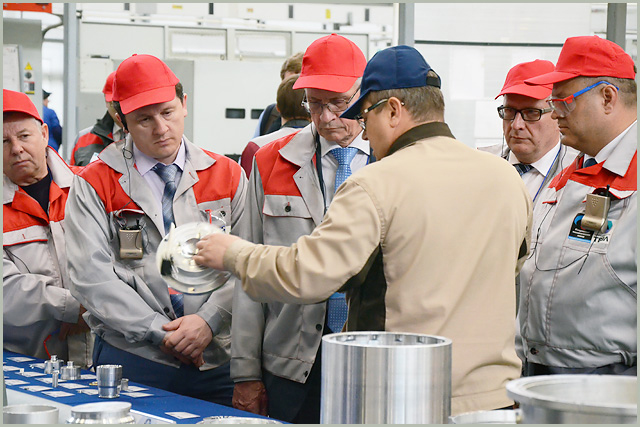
point(426, 240)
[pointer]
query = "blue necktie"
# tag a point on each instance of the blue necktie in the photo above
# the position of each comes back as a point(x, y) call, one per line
point(337, 309)
point(344, 156)
point(589, 162)
point(168, 175)
point(522, 168)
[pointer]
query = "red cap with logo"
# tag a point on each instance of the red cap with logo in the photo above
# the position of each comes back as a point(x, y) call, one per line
point(18, 102)
point(143, 80)
point(588, 56)
point(108, 87)
point(332, 63)
point(514, 83)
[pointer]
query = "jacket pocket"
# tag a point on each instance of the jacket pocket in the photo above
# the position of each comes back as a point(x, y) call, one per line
point(285, 206)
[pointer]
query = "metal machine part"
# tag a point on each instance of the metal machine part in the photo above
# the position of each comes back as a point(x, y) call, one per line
point(30, 414)
point(237, 420)
point(54, 378)
point(109, 381)
point(502, 416)
point(70, 371)
point(576, 399)
point(385, 378)
point(102, 413)
point(175, 260)
point(52, 364)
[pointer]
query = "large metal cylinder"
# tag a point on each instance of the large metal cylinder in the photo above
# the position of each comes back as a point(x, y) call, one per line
point(385, 378)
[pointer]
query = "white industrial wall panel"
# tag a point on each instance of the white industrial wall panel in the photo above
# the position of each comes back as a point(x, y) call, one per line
point(502, 22)
point(120, 41)
point(219, 85)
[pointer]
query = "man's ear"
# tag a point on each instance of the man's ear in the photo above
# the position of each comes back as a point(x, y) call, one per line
point(395, 111)
point(610, 97)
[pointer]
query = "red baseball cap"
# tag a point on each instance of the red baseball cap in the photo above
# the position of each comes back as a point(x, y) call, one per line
point(588, 56)
point(331, 63)
point(143, 80)
point(108, 87)
point(516, 76)
point(18, 102)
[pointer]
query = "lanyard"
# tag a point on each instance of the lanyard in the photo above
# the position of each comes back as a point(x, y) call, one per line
point(371, 159)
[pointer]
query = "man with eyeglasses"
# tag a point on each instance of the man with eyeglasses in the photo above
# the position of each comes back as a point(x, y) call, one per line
point(578, 311)
point(532, 136)
point(428, 239)
point(276, 346)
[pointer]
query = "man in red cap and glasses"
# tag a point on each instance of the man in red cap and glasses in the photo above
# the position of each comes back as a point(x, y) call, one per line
point(40, 317)
point(92, 140)
point(578, 306)
point(120, 207)
point(427, 240)
point(531, 134)
point(276, 347)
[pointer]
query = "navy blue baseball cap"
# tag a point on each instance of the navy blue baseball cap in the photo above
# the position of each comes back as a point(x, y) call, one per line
point(397, 67)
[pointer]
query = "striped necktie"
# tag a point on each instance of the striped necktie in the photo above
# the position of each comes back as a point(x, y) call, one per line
point(522, 168)
point(168, 175)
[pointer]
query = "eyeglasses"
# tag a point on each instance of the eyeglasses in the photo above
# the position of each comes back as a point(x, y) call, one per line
point(360, 117)
point(527, 114)
point(563, 106)
point(335, 106)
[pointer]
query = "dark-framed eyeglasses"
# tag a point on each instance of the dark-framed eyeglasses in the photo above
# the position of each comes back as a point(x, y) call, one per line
point(360, 117)
point(564, 106)
point(336, 106)
point(527, 114)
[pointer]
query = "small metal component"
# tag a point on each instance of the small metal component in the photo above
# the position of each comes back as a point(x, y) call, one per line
point(53, 364)
point(54, 376)
point(70, 371)
point(124, 384)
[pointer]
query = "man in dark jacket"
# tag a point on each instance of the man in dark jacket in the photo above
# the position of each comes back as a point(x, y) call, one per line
point(92, 140)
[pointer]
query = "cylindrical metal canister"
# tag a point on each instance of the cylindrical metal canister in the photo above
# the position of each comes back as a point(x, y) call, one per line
point(385, 378)
point(30, 414)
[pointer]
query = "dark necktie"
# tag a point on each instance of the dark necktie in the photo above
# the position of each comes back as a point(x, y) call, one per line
point(168, 175)
point(522, 168)
point(589, 162)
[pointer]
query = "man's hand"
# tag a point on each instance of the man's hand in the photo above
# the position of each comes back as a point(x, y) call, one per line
point(250, 396)
point(80, 327)
point(211, 250)
point(188, 336)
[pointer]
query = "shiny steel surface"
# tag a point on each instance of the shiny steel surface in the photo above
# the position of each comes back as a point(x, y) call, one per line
point(102, 413)
point(30, 414)
point(385, 378)
point(576, 399)
point(503, 416)
point(236, 420)
point(109, 381)
point(52, 364)
point(174, 259)
point(70, 371)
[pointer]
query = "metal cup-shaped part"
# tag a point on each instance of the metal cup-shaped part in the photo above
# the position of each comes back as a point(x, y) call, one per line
point(109, 381)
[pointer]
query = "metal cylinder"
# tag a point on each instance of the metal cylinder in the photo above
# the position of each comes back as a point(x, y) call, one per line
point(576, 399)
point(30, 414)
point(109, 381)
point(385, 378)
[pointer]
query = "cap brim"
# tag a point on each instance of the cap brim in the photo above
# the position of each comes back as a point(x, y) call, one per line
point(339, 84)
point(150, 97)
point(536, 92)
point(550, 78)
point(355, 109)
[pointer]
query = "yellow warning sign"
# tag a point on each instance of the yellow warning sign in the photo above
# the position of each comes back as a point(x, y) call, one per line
point(28, 67)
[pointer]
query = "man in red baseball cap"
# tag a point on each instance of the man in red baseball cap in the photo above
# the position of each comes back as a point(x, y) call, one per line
point(580, 310)
point(92, 140)
point(276, 355)
point(120, 208)
point(40, 317)
point(531, 134)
